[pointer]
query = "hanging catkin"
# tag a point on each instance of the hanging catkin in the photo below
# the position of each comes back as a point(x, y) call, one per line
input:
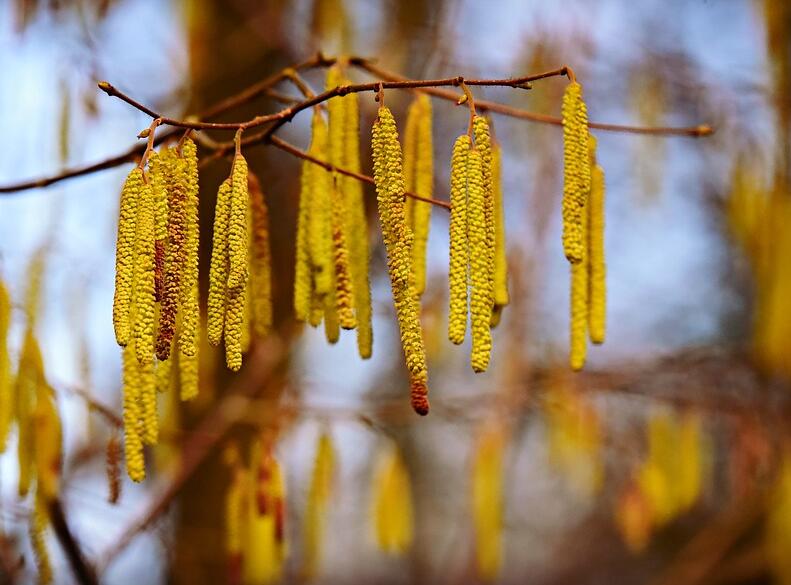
point(392, 503)
point(133, 444)
point(238, 237)
point(113, 469)
point(6, 382)
point(218, 269)
point(579, 313)
point(483, 144)
point(576, 171)
point(144, 286)
point(260, 297)
point(176, 253)
point(30, 374)
point(358, 228)
point(238, 264)
point(597, 269)
point(480, 298)
point(457, 273)
point(158, 164)
point(423, 185)
point(303, 277)
point(500, 292)
point(190, 309)
point(319, 218)
point(389, 178)
point(487, 500)
point(125, 255)
point(316, 506)
point(337, 111)
point(48, 441)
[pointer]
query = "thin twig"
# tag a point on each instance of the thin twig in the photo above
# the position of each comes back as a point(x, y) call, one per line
point(83, 572)
point(692, 131)
point(299, 153)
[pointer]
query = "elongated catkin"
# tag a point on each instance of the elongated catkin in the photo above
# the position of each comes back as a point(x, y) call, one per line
point(260, 297)
point(423, 186)
point(344, 299)
point(480, 297)
point(303, 277)
point(218, 269)
point(389, 179)
point(176, 255)
point(6, 383)
point(457, 272)
point(238, 237)
point(125, 255)
point(358, 228)
point(597, 316)
point(133, 444)
point(500, 277)
point(576, 171)
point(320, 217)
point(190, 310)
point(483, 144)
point(579, 314)
point(144, 285)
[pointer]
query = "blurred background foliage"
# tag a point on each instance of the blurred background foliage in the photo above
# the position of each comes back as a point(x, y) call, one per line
point(666, 461)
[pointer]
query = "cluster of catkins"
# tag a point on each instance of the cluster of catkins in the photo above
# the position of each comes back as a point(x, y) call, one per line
point(240, 279)
point(478, 267)
point(583, 226)
point(156, 290)
point(27, 401)
point(331, 282)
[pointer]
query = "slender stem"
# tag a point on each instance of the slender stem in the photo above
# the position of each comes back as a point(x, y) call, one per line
point(299, 153)
point(149, 144)
point(485, 105)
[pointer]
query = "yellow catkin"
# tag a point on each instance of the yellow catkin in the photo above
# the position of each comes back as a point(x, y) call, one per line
point(188, 367)
point(576, 171)
point(234, 326)
point(358, 228)
point(500, 276)
point(238, 237)
point(480, 298)
point(125, 255)
point(264, 547)
point(337, 111)
point(423, 186)
point(113, 469)
point(29, 377)
point(144, 289)
point(133, 444)
point(392, 504)
point(6, 378)
point(38, 527)
point(147, 396)
point(483, 144)
point(487, 503)
point(389, 178)
point(176, 252)
point(303, 277)
point(578, 330)
point(47, 438)
point(316, 507)
point(190, 309)
point(260, 297)
point(218, 269)
point(157, 176)
point(235, 517)
point(457, 272)
point(319, 218)
point(597, 317)
point(344, 295)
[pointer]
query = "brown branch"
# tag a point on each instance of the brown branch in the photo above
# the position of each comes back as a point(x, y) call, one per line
point(287, 114)
point(83, 572)
point(485, 105)
point(263, 87)
point(299, 153)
